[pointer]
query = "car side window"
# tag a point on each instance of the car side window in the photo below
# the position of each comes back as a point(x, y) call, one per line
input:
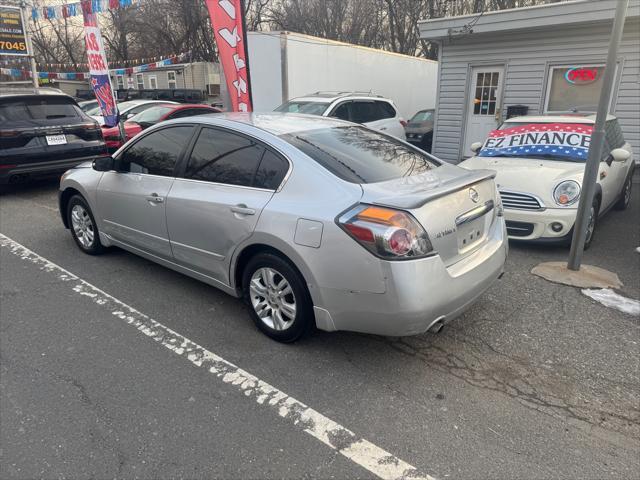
point(156, 153)
point(224, 157)
point(614, 134)
point(364, 112)
point(385, 110)
point(271, 171)
point(342, 111)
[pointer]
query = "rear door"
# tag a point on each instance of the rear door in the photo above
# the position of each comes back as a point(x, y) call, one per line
point(215, 203)
point(132, 201)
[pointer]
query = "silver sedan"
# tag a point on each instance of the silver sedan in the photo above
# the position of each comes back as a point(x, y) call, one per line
point(314, 222)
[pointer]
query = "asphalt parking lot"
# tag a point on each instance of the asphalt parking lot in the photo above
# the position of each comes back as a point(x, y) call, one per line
point(114, 367)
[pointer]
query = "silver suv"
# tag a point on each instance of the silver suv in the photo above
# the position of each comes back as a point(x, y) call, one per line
point(374, 111)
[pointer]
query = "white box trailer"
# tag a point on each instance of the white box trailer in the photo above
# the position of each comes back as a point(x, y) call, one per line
point(286, 65)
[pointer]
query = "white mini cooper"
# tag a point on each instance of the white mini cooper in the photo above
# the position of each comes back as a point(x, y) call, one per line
point(540, 163)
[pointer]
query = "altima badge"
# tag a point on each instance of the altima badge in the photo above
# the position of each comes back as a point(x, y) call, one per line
point(474, 195)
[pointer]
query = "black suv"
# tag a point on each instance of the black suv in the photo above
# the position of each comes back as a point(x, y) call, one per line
point(43, 133)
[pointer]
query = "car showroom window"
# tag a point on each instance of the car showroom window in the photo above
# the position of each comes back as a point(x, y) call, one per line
point(224, 157)
point(156, 153)
point(359, 155)
point(272, 170)
point(574, 88)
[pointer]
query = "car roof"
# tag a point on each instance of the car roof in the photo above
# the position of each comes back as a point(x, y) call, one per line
point(569, 118)
point(333, 96)
point(275, 123)
point(30, 92)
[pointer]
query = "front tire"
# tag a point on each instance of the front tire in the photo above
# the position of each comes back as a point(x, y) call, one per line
point(625, 194)
point(278, 299)
point(593, 223)
point(83, 226)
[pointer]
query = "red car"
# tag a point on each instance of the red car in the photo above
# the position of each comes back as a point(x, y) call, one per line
point(151, 116)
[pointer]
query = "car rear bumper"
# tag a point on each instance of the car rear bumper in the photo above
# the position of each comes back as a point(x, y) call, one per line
point(20, 173)
point(418, 292)
point(537, 225)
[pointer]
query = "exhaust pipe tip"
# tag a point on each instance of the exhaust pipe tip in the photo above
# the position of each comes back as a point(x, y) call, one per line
point(437, 325)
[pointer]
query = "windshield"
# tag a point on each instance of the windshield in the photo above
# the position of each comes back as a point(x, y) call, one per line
point(311, 108)
point(359, 155)
point(151, 115)
point(423, 116)
point(566, 142)
point(122, 108)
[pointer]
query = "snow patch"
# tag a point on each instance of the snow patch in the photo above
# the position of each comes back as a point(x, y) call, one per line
point(611, 299)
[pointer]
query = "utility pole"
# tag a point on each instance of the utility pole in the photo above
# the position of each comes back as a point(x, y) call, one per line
point(597, 143)
point(27, 36)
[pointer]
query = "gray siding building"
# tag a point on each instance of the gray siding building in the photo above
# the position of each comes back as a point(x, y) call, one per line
point(203, 76)
point(547, 59)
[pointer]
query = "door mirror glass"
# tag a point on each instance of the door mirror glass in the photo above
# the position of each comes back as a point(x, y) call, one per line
point(620, 155)
point(103, 164)
point(476, 146)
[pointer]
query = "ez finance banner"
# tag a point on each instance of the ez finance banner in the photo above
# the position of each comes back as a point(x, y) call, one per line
point(564, 140)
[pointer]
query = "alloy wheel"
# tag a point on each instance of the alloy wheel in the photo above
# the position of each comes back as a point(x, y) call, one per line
point(83, 227)
point(272, 298)
point(627, 192)
point(592, 225)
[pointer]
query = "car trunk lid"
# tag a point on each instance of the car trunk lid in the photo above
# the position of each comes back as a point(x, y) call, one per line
point(455, 207)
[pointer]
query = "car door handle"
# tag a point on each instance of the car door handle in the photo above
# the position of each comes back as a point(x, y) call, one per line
point(154, 198)
point(383, 128)
point(242, 209)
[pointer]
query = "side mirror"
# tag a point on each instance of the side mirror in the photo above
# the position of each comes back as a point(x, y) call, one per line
point(103, 164)
point(476, 146)
point(620, 155)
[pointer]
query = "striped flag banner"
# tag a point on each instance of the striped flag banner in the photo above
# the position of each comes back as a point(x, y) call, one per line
point(564, 140)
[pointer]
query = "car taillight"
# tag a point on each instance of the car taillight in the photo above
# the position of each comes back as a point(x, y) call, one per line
point(387, 233)
point(9, 133)
point(404, 123)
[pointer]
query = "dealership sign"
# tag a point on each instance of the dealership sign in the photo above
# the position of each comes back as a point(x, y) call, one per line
point(581, 75)
point(565, 140)
point(12, 32)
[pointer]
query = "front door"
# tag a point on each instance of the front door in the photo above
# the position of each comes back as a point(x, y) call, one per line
point(483, 110)
point(132, 201)
point(216, 203)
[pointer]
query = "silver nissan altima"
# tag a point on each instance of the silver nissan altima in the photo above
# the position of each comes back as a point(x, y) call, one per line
point(312, 221)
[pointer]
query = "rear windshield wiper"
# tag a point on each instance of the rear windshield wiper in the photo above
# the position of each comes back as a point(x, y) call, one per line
point(55, 116)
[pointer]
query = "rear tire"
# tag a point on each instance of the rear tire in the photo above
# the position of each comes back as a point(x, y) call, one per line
point(625, 194)
point(83, 226)
point(278, 299)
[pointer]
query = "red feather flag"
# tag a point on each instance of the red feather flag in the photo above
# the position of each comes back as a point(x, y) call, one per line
point(227, 18)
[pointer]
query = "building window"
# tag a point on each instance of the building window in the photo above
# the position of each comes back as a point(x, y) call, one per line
point(120, 81)
point(485, 101)
point(574, 88)
point(153, 82)
point(171, 80)
point(140, 80)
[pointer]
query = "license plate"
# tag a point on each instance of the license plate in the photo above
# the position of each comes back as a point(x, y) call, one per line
point(470, 234)
point(56, 140)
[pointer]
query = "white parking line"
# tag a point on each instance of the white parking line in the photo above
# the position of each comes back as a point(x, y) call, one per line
point(360, 451)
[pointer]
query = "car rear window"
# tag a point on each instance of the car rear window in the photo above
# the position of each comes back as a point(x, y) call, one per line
point(39, 108)
point(359, 155)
